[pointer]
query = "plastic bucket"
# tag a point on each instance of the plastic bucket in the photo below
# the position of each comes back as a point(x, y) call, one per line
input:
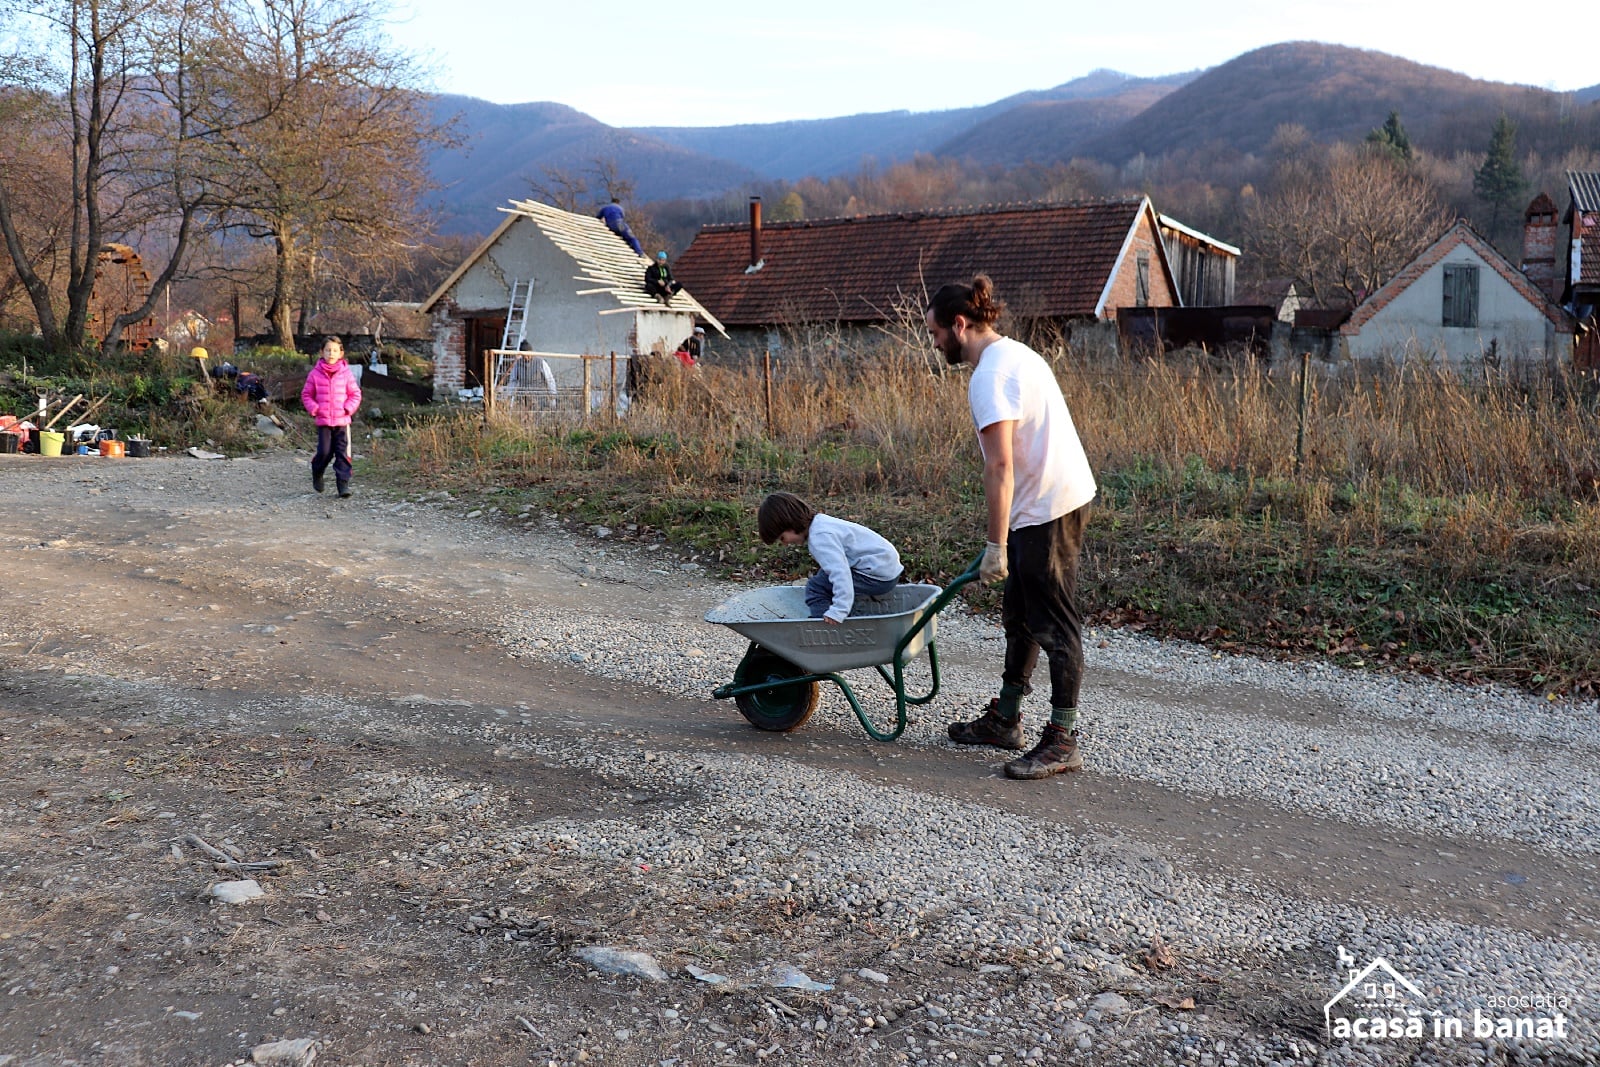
point(50, 442)
point(9, 443)
point(138, 449)
point(112, 449)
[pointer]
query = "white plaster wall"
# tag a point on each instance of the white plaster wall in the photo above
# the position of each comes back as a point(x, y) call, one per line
point(559, 320)
point(1412, 323)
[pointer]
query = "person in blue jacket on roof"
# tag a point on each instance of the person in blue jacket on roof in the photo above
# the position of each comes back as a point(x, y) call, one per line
point(611, 215)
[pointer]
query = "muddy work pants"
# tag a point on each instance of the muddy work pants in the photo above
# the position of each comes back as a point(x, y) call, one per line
point(1039, 605)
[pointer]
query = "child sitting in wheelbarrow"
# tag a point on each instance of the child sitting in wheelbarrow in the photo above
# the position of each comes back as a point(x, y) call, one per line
point(854, 561)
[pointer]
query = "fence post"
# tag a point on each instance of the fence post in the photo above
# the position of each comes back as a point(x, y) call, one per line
point(488, 386)
point(586, 399)
point(611, 390)
point(766, 377)
point(1305, 398)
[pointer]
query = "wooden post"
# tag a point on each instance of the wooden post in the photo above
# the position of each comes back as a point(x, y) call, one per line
point(1305, 398)
point(488, 387)
point(611, 390)
point(587, 407)
point(766, 376)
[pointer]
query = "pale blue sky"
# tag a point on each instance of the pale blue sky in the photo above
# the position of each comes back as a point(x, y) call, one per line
point(716, 63)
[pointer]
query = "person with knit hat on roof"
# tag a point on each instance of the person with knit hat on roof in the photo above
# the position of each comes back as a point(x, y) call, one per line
point(658, 280)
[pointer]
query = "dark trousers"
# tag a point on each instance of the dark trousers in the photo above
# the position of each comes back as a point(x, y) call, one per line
point(663, 291)
point(1039, 605)
point(333, 446)
point(819, 590)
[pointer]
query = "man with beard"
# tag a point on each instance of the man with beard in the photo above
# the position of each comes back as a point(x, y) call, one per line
point(1037, 486)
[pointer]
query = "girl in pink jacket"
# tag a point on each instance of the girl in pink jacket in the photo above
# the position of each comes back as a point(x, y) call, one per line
point(331, 396)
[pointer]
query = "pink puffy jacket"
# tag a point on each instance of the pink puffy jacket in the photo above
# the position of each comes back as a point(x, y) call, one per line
point(331, 394)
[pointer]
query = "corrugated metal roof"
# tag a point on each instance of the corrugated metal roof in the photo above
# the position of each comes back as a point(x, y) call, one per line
point(1051, 260)
point(1585, 189)
point(1170, 223)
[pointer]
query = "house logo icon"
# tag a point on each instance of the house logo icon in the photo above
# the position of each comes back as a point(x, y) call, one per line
point(1376, 1001)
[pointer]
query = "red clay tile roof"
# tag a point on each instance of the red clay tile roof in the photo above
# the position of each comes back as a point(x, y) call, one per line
point(1046, 261)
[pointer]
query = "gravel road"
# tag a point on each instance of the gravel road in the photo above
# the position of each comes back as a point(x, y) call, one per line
point(483, 742)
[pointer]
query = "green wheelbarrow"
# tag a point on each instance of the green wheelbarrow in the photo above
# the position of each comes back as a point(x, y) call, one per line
point(776, 685)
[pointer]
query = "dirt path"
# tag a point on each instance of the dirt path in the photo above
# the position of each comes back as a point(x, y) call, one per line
point(207, 648)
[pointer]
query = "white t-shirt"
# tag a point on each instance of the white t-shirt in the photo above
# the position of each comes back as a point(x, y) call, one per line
point(1050, 472)
point(840, 547)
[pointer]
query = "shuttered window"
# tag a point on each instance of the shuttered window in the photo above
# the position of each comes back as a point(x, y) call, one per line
point(1461, 296)
point(1141, 296)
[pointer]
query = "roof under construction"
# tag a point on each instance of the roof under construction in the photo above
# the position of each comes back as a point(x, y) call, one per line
point(605, 263)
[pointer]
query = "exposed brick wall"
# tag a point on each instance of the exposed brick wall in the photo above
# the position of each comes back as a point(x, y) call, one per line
point(449, 349)
point(1539, 246)
point(1125, 288)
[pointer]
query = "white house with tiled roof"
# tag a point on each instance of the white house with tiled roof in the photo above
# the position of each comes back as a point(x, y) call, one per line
point(1460, 301)
point(587, 298)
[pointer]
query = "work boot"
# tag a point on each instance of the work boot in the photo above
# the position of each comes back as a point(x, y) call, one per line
point(316, 480)
point(1057, 751)
point(344, 488)
point(988, 729)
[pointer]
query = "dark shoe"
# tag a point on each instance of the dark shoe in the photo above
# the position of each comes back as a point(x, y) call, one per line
point(344, 488)
point(1056, 752)
point(988, 729)
point(316, 481)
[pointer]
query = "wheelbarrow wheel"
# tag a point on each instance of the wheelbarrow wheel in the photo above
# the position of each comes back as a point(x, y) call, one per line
point(781, 708)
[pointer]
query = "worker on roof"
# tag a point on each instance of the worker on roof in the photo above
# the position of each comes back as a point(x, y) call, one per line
point(658, 280)
point(611, 215)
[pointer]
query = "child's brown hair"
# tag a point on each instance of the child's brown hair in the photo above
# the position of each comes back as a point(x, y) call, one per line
point(782, 512)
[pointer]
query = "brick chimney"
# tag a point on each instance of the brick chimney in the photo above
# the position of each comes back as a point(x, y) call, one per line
point(755, 236)
point(1539, 246)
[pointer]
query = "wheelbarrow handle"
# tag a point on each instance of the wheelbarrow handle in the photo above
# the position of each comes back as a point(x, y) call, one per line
point(966, 576)
point(970, 574)
point(938, 603)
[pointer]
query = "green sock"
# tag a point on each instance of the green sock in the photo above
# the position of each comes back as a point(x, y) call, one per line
point(1009, 710)
point(1066, 718)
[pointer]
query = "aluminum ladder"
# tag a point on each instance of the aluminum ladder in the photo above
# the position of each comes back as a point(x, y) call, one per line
point(517, 315)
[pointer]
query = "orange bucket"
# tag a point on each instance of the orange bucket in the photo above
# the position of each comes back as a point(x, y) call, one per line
point(114, 449)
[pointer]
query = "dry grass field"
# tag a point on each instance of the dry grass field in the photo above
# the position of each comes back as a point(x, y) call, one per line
point(1416, 517)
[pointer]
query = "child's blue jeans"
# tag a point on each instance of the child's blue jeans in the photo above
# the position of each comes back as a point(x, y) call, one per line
point(819, 590)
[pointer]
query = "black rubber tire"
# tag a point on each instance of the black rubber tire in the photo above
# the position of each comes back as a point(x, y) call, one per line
point(781, 709)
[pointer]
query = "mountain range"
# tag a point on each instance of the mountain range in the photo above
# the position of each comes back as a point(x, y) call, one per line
point(1336, 93)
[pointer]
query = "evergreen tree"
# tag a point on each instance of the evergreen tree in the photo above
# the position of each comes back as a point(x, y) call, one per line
point(1391, 138)
point(1499, 181)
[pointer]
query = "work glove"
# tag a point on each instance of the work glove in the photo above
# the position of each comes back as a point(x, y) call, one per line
point(993, 568)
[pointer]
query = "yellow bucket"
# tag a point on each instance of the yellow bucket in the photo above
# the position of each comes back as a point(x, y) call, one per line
point(50, 442)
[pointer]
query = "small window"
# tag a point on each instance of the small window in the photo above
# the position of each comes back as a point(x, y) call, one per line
point(1460, 296)
point(1141, 296)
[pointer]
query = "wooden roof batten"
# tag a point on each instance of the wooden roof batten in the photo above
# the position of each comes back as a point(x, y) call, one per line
point(608, 264)
point(609, 267)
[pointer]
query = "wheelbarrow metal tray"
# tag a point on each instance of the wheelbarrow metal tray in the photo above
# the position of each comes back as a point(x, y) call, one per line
point(777, 618)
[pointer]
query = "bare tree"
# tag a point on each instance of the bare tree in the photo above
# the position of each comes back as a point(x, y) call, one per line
point(35, 177)
point(561, 188)
point(327, 161)
point(1342, 226)
point(111, 99)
